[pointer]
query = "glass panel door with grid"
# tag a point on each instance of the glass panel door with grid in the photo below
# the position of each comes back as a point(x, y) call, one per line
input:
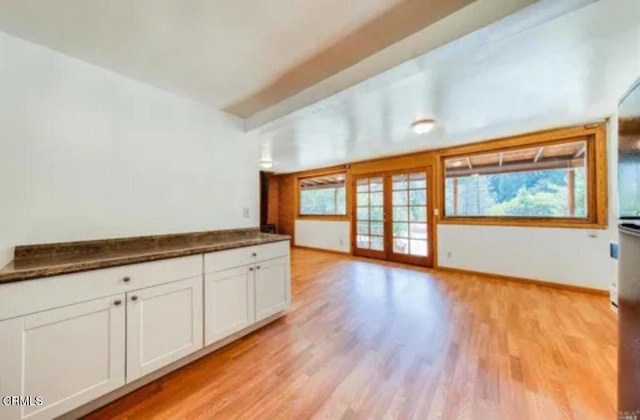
point(404, 236)
point(410, 210)
point(370, 217)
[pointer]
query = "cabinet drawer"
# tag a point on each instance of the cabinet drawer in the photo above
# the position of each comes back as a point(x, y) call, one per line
point(25, 297)
point(223, 260)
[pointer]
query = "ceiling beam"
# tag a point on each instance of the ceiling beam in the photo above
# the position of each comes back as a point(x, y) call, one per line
point(496, 19)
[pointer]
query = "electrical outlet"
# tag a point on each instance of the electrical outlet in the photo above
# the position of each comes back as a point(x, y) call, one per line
point(341, 241)
point(245, 212)
point(449, 254)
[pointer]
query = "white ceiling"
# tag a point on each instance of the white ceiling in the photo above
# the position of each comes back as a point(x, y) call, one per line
point(518, 75)
point(219, 51)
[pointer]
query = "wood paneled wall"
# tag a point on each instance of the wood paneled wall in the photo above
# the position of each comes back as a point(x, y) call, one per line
point(287, 204)
point(273, 204)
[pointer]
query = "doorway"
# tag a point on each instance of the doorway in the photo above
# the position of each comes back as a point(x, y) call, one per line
point(393, 216)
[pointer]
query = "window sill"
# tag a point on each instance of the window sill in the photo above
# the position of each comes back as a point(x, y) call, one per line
point(532, 223)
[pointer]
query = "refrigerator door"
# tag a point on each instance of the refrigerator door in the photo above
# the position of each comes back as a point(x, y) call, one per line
point(629, 323)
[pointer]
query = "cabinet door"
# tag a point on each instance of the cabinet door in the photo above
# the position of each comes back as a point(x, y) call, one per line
point(229, 302)
point(164, 324)
point(272, 287)
point(68, 356)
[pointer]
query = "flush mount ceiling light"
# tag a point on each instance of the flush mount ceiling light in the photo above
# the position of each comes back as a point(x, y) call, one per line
point(423, 126)
point(266, 164)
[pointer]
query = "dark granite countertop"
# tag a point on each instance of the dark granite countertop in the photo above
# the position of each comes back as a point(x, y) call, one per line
point(35, 261)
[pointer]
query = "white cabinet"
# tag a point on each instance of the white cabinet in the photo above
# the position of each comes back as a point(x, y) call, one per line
point(229, 302)
point(164, 324)
point(73, 338)
point(236, 298)
point(272, 287)
point(69, 356)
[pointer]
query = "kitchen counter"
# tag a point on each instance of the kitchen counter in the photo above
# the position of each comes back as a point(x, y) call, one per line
point(35, 261)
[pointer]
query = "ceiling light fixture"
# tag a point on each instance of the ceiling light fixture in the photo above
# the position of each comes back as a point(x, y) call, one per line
point(423, 126)
point(266, 164)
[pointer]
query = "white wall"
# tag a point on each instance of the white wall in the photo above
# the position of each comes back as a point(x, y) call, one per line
point(331, 235)
point(566, 256)
point(86, 153)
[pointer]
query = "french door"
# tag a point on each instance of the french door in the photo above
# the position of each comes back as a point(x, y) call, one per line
point(393, 216)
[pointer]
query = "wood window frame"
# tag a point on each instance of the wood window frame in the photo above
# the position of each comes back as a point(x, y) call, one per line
point(320, 173)
point(597, 177)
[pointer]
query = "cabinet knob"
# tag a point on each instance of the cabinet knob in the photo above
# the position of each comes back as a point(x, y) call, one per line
point(258, 267)
point(134, 297)
point(255, 254)
point(117, 302)
point(126, 279)
point(250, 268)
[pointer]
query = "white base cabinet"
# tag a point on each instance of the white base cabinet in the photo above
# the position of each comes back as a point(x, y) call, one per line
point(164, 324)
point(229, 302)
point(73, 338)
point(272, 287)
point(248, 286)
point(68, 356)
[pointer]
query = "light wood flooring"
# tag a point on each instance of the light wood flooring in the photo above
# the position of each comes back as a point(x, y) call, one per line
point(367, 340)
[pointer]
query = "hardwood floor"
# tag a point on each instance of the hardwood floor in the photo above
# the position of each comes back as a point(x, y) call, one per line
point(373, 340)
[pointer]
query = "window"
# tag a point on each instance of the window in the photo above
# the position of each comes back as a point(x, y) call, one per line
point(538, 183)
point(323, 195)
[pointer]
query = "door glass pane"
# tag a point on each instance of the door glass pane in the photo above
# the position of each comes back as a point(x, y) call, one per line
point(363, 199)
point(418, 231)
point(418, 180)
point(418, 197)
point(362, 185)
point(400, 182)
point(400, 198)
point(400, 214)
point(409, 214)
point(400, 246)
point(401, 230)
point(363, 241)
point(377, 228)
point(377, 213)
point(376, 184)
point(363, 228)
point(418, 214)
point(377, 243)
point(418, 248)
point(377, 199)
point(370, 214)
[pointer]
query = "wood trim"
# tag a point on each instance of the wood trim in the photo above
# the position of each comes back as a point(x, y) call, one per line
point(557, 135)
point(330, 251)
point(541, 283)
point(403, 162)
point(324, 217)
point(596, 177)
